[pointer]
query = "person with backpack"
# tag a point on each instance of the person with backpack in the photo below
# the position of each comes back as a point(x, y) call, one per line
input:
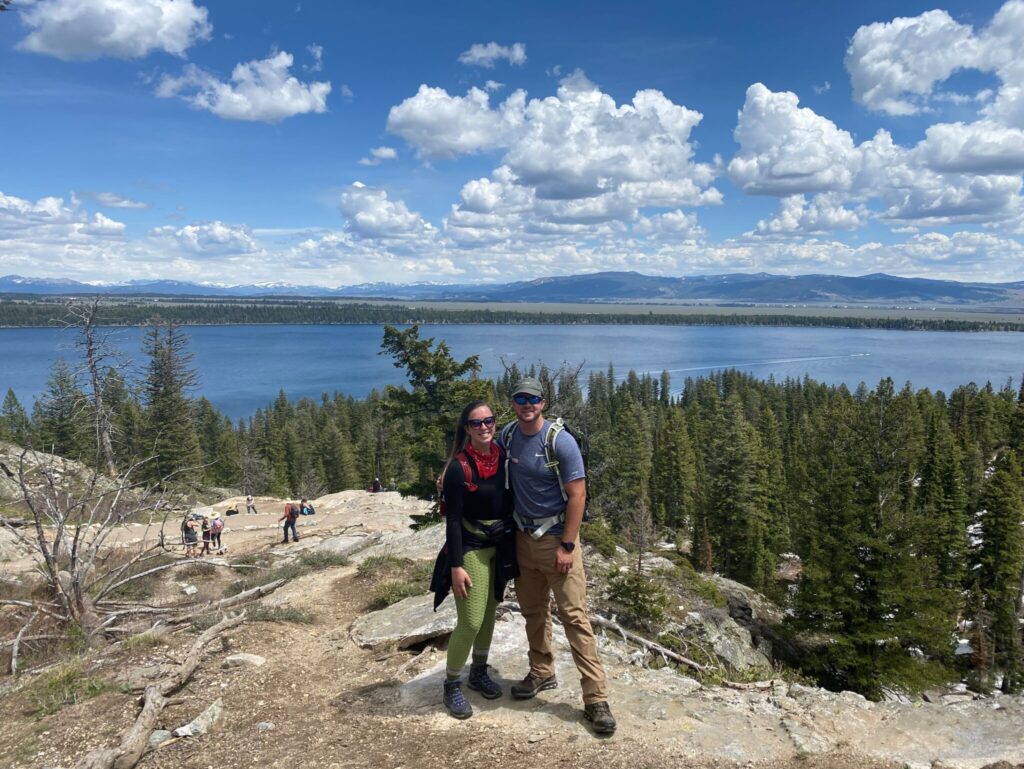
point(305, 508)
point(188, 535)
point(207, 536)
point(478, 558)
point(216, 529)
point(291, 515)
point(547, 476)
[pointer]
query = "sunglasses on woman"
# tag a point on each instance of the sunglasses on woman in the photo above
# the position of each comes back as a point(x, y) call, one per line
point(521, 400)
point(478, 423)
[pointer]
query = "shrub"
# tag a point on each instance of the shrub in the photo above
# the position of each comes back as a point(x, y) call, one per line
point(599, 535)
point(322, 559)
point(64, 685)
point(141, 641)
point(375, 565)
point(642, 601)
point(388, 593)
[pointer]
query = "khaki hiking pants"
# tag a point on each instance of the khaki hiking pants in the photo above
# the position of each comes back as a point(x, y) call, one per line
point(537, 581)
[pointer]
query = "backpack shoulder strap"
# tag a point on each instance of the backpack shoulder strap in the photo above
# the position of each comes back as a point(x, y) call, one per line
point(506, 437)
point(551, 458)
point(467, 471)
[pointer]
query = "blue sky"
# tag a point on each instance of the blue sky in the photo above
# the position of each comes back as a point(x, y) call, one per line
point(335, 143)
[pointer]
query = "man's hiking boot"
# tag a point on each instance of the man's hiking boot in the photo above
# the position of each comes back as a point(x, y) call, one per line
point(600, 715)
point(532, 684)
point(455, 700)
point(479, 681)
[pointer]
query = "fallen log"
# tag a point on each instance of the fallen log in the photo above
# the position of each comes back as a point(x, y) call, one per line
point(135, 740)
point(629, 636)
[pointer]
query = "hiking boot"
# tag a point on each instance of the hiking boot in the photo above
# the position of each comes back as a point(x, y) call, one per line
point(479, 681)
point(600, 715)
point(532, 684)
point(455, 700)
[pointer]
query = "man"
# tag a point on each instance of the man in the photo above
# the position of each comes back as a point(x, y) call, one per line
point(250, 505)
point(291, 515)
point(549, 553)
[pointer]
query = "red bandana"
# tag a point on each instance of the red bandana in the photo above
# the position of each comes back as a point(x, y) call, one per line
point(486, 464)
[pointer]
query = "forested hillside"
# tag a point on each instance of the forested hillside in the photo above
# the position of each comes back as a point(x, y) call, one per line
point(905, 506)
point(205, 311)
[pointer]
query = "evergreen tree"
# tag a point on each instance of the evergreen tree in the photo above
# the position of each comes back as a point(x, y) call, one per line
point(1001, 562)
point(14, 424)
point(440, 387)
point(61, 416)
point(170, 432)
point(673, 473)
point(737, 517)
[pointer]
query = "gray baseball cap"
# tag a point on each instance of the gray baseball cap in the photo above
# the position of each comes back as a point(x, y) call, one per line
point(529, 386)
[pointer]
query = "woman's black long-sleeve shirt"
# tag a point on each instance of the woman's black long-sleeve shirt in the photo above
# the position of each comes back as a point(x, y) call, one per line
point(490, 502)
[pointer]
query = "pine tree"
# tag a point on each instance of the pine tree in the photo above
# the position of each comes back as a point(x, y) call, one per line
point(170, 432)
point(737, 518)
point(673, 473)
point(61, 416)
point(1001, 562)
point(14, 424)
point(440, 387)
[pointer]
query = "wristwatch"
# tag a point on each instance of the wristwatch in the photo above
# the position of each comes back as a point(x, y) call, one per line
point(568, 546)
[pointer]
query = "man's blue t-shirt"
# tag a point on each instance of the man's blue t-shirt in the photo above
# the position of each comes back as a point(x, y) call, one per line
point(537, 493)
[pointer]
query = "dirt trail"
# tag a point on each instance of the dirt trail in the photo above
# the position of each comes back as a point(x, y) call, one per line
point(333, 704)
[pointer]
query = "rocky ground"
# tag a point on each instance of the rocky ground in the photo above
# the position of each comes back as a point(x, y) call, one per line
point(361, 688)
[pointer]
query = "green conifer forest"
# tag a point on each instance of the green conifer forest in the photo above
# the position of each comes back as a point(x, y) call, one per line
point(905, 506)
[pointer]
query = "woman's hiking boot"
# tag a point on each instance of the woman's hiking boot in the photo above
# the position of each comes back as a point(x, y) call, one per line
point(600, 715)
point(479, 681)
point(455, 701)
point(532, 684)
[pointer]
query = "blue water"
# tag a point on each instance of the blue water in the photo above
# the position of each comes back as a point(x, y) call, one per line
point(241, 368)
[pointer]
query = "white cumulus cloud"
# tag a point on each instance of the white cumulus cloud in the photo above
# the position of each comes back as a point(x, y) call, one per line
point(378, 155)
point(371, 214)
point(786, 149)
point(487, 54)
point(210, 238)
point(440, 125)
point(126, 29)
point(261, 90)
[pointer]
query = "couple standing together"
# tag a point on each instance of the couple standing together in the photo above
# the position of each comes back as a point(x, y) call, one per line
point(515, 516)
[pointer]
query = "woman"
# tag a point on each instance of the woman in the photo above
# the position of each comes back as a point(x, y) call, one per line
point(188, 535)
point(207, 534)
point(479, 553)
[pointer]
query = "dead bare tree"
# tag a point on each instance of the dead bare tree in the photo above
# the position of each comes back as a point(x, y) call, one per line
point(74, 518)
point(97, 353)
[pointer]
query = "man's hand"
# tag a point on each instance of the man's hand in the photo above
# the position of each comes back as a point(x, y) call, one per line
point(563, 561)
point(461, 583)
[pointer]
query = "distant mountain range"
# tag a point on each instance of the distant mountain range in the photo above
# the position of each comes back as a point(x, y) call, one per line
point(760, 288)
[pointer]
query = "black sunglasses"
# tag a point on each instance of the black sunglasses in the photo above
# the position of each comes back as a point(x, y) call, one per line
point(478, 423)
point(521, 399)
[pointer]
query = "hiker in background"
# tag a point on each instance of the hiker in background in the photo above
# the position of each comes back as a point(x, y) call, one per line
point(479, 554)
point(207, 536)
point(550, 498)
point(232, 509)
point(291, 515)
point(216, 528)
point(375, 487)
point(250, 504)
point(305, 508)
point(189, 535)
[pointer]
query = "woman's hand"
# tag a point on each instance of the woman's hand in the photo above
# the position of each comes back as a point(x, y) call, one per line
point(461, 583)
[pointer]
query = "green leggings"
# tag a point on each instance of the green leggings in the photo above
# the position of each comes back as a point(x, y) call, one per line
point(476, 613)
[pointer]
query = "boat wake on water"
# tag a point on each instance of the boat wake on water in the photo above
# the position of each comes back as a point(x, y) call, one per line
point(775, 362)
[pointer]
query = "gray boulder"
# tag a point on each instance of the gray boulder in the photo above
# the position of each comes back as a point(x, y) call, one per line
point(405, 623)
point(731, 643)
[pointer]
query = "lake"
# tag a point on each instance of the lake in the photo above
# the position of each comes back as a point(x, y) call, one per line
point(241, 368)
